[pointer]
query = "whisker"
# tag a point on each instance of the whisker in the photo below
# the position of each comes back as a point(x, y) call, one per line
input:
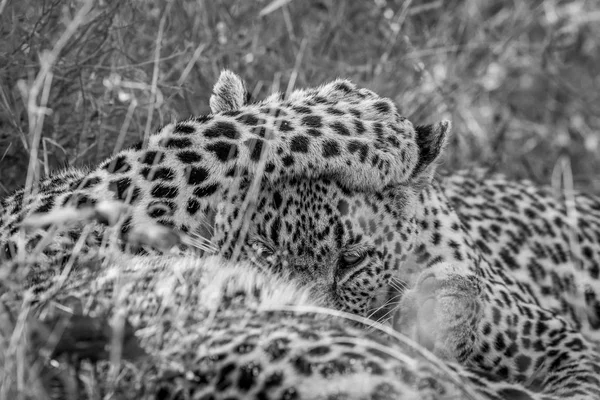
point(198, 244)
point(391, 301)
point(389, 313)
point(398, 284)
point(388, 310)
point(199, 241)
point(200, 237)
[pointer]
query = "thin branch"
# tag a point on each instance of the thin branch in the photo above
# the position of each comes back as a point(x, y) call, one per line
point(155, 72)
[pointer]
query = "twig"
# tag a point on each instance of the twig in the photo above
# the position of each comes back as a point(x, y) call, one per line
point(153, 88)
point(273, 6)
point(294, 74)
point(125, 127)
point(190, 64)
point(42, 82)
point(2, 5)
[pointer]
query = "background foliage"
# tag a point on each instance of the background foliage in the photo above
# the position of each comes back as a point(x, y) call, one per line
point(519, 79)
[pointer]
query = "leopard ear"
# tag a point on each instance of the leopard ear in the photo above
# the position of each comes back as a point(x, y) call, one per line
point(229, 93)
point(431, 140)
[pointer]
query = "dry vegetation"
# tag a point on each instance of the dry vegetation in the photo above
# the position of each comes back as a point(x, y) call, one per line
point(519, 79)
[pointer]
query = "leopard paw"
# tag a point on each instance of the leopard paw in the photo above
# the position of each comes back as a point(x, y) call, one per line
point(442, 312)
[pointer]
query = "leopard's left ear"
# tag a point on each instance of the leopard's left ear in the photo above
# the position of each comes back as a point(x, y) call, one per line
point(431, 140)
point(229, 93)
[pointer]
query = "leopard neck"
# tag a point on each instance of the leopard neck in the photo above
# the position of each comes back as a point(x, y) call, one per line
point(441, 236)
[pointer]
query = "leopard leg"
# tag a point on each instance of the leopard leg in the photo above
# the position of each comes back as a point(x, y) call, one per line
point(523, 348)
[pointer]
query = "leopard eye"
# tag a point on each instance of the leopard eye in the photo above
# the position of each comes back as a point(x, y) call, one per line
point(261, 249)
point(265, 252)
point(352, 259)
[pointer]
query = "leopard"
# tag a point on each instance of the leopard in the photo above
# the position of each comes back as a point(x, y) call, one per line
point(460, 294)
point(189, 167)
point(210, 328)
point(502, 276)
point(345, 199)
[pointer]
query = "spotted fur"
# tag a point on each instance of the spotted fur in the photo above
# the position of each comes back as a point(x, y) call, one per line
point(501, 301)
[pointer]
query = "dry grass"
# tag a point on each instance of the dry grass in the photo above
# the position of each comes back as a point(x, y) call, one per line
point(518, 79)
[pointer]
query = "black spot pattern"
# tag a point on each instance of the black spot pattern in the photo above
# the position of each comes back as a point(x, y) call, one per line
point(284, 125)
point(160, 173)
point(196, 175)
point(382, 107)
point(248, 374)
point(222, 129)
point(334, 111)
point(299, 144)
point(232, 113)
point(511, 393)
point(192, 206)
point(164, 191)
point(152, 157)
point(260, 131)
point(85, 183)
point(9, 251)
point(248, 119)
point(302, 366)
point(313, 121)
point(331, 149)
point(343, 207)
point(203, 119)
point(319, 351)
point(287, 160)
point(46, 206)
point(356, 146)
point(205, 191)
point(355, 113)
point(183, 128)
point(223, 150)
point(121, 187)
point(343, 87)
point(302, 110)
point(270, 167)
point(137, 145)
point(255, 146)
point(80, 200)
point(340, 129)
point(224, 378)
point(176, 143)
point(277, 200)
point(189, 157)
point(275, 112)
point(359, 126)
point(118, 164)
